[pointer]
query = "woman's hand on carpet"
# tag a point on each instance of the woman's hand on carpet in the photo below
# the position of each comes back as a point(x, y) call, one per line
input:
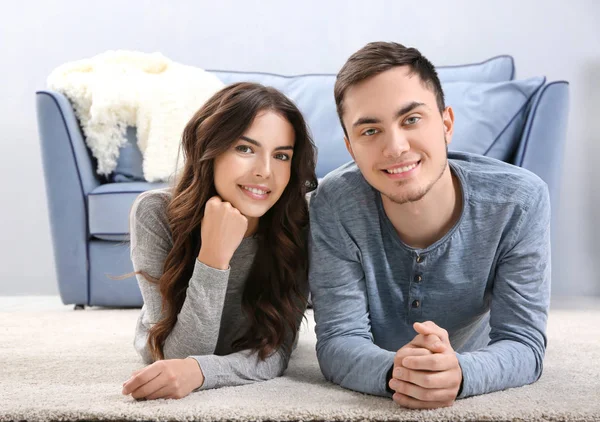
point(427, 380)
point(165, 379)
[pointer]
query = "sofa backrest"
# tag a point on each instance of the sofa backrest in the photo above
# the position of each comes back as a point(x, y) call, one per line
point(489, 107)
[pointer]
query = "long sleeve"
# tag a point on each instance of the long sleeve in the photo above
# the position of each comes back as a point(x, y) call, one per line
point(197, 328)
point(245, 367)
point(240, 368)
point(345, 349)
point(519, 308)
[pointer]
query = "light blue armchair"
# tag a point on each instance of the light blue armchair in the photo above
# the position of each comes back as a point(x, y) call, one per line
point(520, 122)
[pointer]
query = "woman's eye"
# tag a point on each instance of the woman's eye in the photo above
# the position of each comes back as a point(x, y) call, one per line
point(282, 157)
point(244, 148)
point(412, 120)
point(370, 132)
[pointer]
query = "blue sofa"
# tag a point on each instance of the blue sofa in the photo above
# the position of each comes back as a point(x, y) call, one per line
point(520, 122)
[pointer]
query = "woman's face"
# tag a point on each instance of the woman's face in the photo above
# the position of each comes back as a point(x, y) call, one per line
point(253, 173)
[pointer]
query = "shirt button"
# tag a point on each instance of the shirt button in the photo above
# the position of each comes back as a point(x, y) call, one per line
point(416, 304)
point(418, 278)
point(420, 259)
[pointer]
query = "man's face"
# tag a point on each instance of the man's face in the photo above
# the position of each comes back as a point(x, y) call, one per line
point(396, 134)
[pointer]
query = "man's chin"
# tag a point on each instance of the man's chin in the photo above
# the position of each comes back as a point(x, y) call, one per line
point(405, 197)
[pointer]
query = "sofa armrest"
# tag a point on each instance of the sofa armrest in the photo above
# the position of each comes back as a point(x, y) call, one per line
point(69, 177)
point(544, 137)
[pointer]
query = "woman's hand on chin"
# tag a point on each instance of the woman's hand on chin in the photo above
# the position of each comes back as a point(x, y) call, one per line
point(165, 379)
point(223, 228)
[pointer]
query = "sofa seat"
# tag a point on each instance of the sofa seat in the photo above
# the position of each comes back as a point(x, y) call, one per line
point(109, 206)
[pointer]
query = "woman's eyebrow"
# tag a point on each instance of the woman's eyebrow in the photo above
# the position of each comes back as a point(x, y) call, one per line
point(258, 144)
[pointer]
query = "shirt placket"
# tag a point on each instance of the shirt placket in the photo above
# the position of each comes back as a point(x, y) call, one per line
point(416, 295)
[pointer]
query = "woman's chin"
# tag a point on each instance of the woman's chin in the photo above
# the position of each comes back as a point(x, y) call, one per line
point(251, 210)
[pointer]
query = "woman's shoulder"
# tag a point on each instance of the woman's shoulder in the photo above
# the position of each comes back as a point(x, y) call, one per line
point(151, 205)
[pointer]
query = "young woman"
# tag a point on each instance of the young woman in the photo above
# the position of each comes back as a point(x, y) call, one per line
point(221, 258)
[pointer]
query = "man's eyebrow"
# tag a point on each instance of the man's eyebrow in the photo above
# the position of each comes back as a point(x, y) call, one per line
point(408, 108)
point(402, 111)
point(258, 144)
point(365, 120)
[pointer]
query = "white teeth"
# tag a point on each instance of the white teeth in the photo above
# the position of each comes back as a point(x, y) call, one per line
point(256, 191)
point(402, 169)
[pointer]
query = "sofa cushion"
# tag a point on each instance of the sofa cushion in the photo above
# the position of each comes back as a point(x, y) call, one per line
point(496, 69)
point(489, 117)
point(109, 205)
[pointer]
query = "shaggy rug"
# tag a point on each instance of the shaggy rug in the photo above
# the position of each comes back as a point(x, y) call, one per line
point(65, 365)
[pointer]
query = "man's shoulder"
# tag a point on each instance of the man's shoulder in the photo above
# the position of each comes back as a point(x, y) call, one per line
point(342, 185)
point(496, 182)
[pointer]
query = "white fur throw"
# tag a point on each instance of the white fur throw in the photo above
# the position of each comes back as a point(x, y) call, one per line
point(117, 89)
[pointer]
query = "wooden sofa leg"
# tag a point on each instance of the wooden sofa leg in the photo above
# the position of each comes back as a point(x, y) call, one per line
point(79, 307)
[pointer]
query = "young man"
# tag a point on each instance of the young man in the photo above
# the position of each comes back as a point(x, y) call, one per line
point(430, 272)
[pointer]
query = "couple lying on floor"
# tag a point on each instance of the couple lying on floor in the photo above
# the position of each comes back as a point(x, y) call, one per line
point(429, 271)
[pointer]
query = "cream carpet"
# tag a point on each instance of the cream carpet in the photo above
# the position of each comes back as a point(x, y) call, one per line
point(65, 365)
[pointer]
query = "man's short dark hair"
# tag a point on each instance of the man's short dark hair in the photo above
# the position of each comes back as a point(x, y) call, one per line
point(377, 57)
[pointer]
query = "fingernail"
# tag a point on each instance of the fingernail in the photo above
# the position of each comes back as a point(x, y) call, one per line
point(398, 373)
point(438, 345)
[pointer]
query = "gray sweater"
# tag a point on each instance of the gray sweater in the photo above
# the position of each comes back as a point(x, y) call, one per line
point(487, 281)
point(211, 316)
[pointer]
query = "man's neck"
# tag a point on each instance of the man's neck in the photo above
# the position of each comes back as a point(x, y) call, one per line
point(422, 223)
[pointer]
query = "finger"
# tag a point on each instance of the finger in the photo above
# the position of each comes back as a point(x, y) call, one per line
point(133, 374)
point(162, 393)
point(144, 376)
point(420, 393)
point(150, 387)
point(411, 403)
point(429, 341)
point(430, 327)
point(425, 379)
point(433, 362)
point(410, 351)
point(213, 202)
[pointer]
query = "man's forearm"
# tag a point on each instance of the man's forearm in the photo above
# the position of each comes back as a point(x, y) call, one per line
point(355, 363)
point(501, 365)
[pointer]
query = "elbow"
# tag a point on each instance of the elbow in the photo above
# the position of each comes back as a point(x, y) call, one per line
point(144, 351)
point(324, 362)
point(539, 363)
point(538, 349)
point(284, 360)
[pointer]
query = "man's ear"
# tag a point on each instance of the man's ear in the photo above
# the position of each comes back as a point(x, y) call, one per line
point(448, 121)
point(349, 147)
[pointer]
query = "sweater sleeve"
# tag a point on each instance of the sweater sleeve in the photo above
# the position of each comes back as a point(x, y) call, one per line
point(519, 309)
point(240, 368)
point(346, 351)
point(197, 328)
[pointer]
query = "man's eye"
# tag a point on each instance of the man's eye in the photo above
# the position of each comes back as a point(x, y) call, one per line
point(244, 148)
point(370, 132)
point(412, 120)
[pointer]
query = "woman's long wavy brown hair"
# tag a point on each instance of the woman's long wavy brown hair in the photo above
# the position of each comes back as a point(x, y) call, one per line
point(274, 297)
